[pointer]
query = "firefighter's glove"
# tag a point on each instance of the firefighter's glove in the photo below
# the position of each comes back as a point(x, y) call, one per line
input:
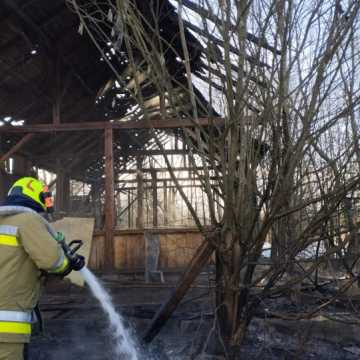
point(60, 237)
point(76, 262)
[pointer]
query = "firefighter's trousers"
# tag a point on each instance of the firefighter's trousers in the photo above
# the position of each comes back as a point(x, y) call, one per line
point(11, 351)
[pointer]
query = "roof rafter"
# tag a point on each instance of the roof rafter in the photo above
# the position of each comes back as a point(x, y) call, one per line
point(219, 42)
point(216, 20)
point(26, 21)
point(168, 123)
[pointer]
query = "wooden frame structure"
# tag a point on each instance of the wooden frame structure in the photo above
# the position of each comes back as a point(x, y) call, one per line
point(93, 149)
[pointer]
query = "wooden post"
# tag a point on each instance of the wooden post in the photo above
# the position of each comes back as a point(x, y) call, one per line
point(155, 198)
point(140, 195)
point(200, 258)
point(59, 187)
point(21, 166)
point(109, 210)
point(96, 202)
point(57, 90)
point(129, 209)
point(165, 204)
point(66, 193)
point(62, 190)
point(2, 176)
point(56, 111)
point(3, 185)
point(203, 207)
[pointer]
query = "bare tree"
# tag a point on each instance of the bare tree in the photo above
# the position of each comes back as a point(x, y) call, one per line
point(284, 76)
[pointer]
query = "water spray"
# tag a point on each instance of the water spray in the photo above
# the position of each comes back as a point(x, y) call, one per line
point(124, 344)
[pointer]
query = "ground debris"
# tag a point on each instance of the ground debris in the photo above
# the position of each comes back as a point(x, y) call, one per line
point(353, 349)
point(75, 328)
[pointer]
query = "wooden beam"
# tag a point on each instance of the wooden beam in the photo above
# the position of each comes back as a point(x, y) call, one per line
point(155, 198)
point(62, 188)
point(109, 259)
point(13, 42)
point(57, 97)
point(3, 185)
point(140, 194)
point(155, 152)
point(96, 202)
point(59, 181)
point(199, 259)
point(165, 203)
point(170, 230)
point(217, 41)
point(130, 188)
point(130, 202)
point(164, 169)
point(42, 38)
point(217, 21)
point(168, 123)
point(133, 153)
point(222, 76)
point(16, 147)
point(12, 70)
point(187, 178)
point(222, 88)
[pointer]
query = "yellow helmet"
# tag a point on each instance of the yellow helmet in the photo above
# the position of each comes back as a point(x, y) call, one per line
point(34, 189)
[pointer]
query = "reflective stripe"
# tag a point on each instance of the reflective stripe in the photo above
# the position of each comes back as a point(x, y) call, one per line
point(60, 265)
point(16, 316)
point(14, 210)
point(15, 328)
point(8, 235)
point(64, 265)
point(8, 230)
point(8, 240)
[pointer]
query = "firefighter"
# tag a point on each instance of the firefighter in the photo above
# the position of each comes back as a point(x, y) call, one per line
point(27, 251)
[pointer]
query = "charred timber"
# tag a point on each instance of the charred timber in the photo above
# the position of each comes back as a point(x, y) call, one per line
point(216, 20)
point(200, 258)
point(16, 147)
point(101, 125)
point(109, 201)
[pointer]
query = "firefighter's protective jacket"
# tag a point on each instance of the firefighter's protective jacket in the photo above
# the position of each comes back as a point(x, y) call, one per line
point(26, 248)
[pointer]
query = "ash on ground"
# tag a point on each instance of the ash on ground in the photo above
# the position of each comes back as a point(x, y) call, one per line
point(75, 327)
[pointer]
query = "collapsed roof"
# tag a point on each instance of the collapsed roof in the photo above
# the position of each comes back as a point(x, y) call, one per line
point(52, 69)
